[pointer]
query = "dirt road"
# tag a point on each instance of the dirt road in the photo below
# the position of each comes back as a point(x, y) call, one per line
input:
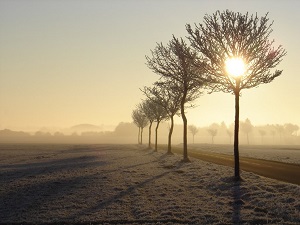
point(276, 170)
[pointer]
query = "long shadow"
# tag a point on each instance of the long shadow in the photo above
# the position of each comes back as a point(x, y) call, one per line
point(29, 199)
point(26, 170)
point(105, 203)
point(237, 202)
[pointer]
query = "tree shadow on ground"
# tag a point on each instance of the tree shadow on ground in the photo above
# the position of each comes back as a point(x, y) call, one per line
point(129, 190)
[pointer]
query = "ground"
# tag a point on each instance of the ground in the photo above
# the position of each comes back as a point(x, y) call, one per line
point(129, 184)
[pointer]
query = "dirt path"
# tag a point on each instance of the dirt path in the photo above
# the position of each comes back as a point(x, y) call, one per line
point(276, 170)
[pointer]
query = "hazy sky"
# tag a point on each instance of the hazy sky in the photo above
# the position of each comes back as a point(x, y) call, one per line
point(65, 62)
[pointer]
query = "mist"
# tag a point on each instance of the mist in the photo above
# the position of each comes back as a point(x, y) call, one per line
point(127, 133)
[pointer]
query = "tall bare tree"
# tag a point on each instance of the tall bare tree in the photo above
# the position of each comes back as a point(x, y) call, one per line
point(175, 63)
point(162, 94)
point(239, 38)
point(140, 120)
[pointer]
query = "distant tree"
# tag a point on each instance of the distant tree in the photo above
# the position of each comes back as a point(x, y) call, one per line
point(194, 130)
point(162, 94)
point(175, 63)
point(291, 129)
point(246, 127)
point(140, 120)
point(240, 40)
point(230, 134)
point(74, 134)
point(42, 134)
point(58, 134)
point(213, 132)
point(148, 109)
point(280, 131)
point(273, 132)
point(262, 134)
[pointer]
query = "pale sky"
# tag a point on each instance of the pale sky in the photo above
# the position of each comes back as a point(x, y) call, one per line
point(66, 62)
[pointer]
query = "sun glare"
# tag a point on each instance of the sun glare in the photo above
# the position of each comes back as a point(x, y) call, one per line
point(235, 66)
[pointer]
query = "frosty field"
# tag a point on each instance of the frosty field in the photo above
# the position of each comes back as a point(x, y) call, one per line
point(128, 184)
point(280, 153)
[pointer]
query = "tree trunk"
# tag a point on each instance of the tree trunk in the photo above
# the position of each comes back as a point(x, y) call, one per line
point(170, 135)
point(248, 138)
point(142, 136)
point(156, 129)
point(184, 119)
point(193, 138)
point(236, 136)
point(149, 144)
point(139, 135)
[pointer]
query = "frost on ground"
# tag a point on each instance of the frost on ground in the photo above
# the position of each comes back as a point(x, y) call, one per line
point(280, 153)
point(127, 184)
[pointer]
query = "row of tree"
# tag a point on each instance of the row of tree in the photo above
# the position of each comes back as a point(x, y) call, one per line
point(228, 52)
point(283, 133)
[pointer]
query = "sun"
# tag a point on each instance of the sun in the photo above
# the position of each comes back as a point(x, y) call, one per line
point(235, 66)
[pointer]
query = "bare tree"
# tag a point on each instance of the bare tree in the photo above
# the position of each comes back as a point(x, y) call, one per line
point(243, 40)
point(175, 63)
point(280, 130)
point(229, 133)
point(162, 94)
point(246, 127)
point(291, 129)
point(140, 120)
point(194, 130)
point(273, 132)
point(148, 107)
point(262, 134)
point(159, 115)
point(213, 132)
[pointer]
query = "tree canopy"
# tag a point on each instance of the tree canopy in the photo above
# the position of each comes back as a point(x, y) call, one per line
point(230, 34)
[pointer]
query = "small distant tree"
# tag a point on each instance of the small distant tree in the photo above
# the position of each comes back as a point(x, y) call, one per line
point(280, 131)
point(239, 55)
point(140, 120)
point(291, 129)
point(213, 132)
point(230, 134)
point(262, 134)
point(273, 133)
point(246, 127)
point(176, 64)
point(194, 130)
point(58, 134)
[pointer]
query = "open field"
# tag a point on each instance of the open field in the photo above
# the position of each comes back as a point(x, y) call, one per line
point(128, 184)
point(280, 153)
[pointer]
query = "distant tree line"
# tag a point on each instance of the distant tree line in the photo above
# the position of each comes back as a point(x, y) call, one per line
point(125, 132)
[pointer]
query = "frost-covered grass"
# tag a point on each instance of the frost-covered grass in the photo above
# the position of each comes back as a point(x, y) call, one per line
point(280, 153)
point(128, 184)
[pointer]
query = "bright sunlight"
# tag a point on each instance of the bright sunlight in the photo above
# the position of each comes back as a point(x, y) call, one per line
point(235, 66)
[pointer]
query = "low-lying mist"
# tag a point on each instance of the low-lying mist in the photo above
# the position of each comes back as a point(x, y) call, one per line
point(216, 133)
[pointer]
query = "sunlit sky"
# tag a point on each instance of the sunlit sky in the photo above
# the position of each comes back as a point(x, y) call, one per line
point(66, 62)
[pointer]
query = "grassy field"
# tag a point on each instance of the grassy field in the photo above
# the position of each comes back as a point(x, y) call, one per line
point(129, 184)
